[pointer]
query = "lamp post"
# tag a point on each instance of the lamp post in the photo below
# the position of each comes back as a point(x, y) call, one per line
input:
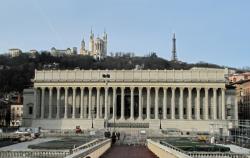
point(160, 113)
point(106, 78)
point(92, 119)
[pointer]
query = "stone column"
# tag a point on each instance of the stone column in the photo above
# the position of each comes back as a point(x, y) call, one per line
point(214, 111)
point(82, 98)
point(58, 103)
point(189, 108)
point(106, 104)
point(122, 103)
point(35, 103)
point(173, 104)
point(50, 102)
point(156, 103)
point(74, 103)
point(97, 102)
point(140, 103)
point(223, 110)
point(206, 104)
point(90, 103)
point(235, 107)
point(66, 103)
point(148, 102)
point(114, 102)
point(132, 103)
point(181, 103)
point(42, 103)
point(164, 103)
point(198, 104)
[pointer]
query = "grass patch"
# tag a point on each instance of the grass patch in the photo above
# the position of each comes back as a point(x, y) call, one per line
point(61, 144)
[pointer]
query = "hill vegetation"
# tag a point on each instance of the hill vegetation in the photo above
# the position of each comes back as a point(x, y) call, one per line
point(16, 73)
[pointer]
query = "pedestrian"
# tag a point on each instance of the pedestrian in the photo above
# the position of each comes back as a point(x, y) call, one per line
point(118, 135)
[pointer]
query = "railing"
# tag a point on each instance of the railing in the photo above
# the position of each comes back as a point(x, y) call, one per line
point(165, 150)
point(128, 125)
point(216, 154)
point(33, 154)
point(96, 147)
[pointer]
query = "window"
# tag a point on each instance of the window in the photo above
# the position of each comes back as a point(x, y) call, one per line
point(30, 110)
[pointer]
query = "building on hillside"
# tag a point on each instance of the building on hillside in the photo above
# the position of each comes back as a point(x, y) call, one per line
point(97, 46)
point(185, 99)
point(15, 52)
point(239, 77)
point(33, 53)
point(62, 52)
point(243, 97)
point(4, 113)
point(16, 115)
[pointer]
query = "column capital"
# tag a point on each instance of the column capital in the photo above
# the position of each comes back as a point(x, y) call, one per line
point(90, 88)
point(66, 88)
point(58, 88)
point(122, 88)
point(114, 88)
point(198, 88)
point(82, 88)
point(173, 88)
point(181, 88)
point(148, 88)
point(215, 89)
point(74, 88)
point(190, 88)
point(156, 88)
point(140, 88)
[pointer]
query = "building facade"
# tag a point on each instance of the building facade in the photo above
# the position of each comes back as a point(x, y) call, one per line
point(15, 52)
point(184, 99)
point(243, 97)
point(16, 115)
point(97, 46)
point(239, 77)
point(62, 52)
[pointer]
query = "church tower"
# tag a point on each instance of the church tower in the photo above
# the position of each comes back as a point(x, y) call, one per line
point(82, 49)
point(174, 55)
point(91, 42)
point(105, 40)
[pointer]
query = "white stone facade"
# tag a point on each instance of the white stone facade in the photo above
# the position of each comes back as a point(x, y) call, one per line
point(184, 99)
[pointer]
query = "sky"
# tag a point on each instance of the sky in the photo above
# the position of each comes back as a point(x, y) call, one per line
point(214, 31)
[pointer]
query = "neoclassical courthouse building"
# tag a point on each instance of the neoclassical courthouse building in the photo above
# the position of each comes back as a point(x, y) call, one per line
point(195, 99)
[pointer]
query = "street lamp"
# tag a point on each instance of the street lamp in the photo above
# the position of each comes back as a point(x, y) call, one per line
point(106, 78)
point(92, 124)
point(160, 113)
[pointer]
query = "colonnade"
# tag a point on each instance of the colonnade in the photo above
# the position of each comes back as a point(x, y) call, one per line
point(191, 103)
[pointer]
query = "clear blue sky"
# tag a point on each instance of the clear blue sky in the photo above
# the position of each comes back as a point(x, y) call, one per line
point(216, 31)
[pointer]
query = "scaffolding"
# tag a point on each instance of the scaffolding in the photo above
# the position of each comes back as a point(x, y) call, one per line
point(240, 134)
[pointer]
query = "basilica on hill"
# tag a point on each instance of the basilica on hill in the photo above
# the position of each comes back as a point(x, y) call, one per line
point(97, 46)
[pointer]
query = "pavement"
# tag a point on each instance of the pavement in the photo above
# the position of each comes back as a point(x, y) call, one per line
point(125, 151)
point(24, 145)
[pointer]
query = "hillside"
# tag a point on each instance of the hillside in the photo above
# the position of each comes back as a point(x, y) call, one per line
point(16, 73)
